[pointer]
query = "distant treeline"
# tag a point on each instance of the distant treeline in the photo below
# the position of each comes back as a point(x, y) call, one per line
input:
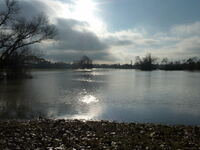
point(186, 64)
point(145, 63)
point(40, 63)
point(152, 63)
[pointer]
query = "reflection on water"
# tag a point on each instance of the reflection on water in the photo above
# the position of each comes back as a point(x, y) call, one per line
point(89, 99)
point(92, 113)
point(122, 95)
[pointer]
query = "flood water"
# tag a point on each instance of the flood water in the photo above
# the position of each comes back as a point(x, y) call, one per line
point(121, 95)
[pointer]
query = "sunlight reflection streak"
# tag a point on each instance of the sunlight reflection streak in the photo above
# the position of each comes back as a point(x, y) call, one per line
point(89, 99)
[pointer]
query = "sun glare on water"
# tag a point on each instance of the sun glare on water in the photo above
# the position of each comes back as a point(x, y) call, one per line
point(89, 99)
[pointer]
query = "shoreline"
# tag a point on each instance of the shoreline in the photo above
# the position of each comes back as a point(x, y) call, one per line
point(81, 134)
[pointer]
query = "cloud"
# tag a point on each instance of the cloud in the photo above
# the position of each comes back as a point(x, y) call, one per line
point(71, 55)
point(190, 45)
point(88, 35)
point(187, 29)
point(73, 34)
point(76, 37)
point(129, 38)
point(182, 41)
point(29, 9)
point(70, 38)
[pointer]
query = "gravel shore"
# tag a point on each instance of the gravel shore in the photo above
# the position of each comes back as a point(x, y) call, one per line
point(82, 135)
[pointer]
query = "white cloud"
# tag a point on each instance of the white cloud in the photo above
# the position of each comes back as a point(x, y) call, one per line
point(187, 29)
point(83, 31)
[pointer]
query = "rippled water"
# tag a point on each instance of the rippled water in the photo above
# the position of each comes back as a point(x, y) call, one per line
point(121, 95)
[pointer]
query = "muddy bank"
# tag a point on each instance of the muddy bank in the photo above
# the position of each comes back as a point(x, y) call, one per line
point(79, 135)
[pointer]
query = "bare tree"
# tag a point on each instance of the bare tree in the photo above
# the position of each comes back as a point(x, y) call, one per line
point(11, 8)
point(84, 62)
point(146, 63)
point(19, 33)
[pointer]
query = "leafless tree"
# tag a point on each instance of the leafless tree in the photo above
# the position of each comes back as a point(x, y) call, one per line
point(17, 34)
point(146, 63)
point(11, 8)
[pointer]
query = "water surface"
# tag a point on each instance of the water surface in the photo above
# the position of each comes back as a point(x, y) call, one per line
point(121, 95)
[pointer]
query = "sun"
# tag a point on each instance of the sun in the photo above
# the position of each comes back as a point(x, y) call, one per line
point(85, 6)
point(87, 10)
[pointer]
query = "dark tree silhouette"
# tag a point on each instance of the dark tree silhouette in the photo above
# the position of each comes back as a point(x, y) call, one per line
point(84, 62)
point(18, 34)
point(188, 64)
point(146, 63)
point(164, 61)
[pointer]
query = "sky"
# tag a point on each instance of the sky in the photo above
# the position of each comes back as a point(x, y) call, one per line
point(116, 31)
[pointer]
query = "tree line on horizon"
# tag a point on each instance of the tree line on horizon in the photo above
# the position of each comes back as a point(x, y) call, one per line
point(150, 62)
point(147, 63)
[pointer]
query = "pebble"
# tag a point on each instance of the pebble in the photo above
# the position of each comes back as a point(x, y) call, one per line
point(83, 135)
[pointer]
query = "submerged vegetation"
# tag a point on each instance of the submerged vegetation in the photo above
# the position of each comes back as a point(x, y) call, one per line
point(77, 135)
